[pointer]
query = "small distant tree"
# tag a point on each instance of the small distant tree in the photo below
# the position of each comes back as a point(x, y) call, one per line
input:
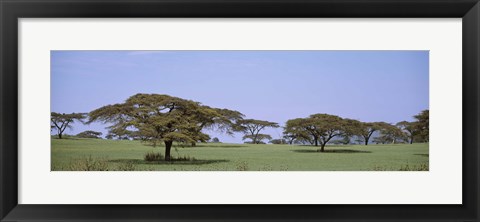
point(381, 140)
point(89, 134)
point(119, 133)
point(278, 141)
point(359, 140)
point(336, 142)
point(289, 138)
point(215, 140)
point(252, 128)
point(257, 139)
point(346, 140)
point(62, 121)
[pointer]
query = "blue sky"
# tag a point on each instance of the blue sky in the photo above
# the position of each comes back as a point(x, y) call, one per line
point(388, 86)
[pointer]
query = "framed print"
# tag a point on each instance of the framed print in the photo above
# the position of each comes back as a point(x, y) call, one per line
point(226, 110)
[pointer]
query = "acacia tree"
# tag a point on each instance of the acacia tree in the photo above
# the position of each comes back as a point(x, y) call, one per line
point(222, 120)
point(258, 138)
point(366, 130)
point(289, 137)
point(390, 134)
point(298, 130)
point(345, 140)
point(422, 125)
point(156, 118)
point(318, 129)
point(120, 133)
point(409, 129)
point(329, 127)
point(417, 130)
point(252, 127)
point(90, 134)
point(62, 121)
point(278, 141)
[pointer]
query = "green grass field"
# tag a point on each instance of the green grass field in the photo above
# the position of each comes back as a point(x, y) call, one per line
point(98, 154)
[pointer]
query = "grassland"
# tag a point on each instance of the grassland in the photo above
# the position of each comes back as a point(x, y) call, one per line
point(75, 154)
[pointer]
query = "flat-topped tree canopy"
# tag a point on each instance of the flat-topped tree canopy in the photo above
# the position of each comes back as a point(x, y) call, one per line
point(162, 118)
point(62, 121)
point(366, 129)
point(327, 126)
point(391, 134)
point(317, 129)
point(409, 129)
point(257, 138)
point(297, 130)
point(228, 121)
point(252, 127)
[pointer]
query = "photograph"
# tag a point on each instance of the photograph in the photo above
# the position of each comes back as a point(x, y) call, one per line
point(273, 110)
point(239, 110)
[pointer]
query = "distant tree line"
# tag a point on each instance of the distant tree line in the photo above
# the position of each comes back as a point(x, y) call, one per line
point(155, 119)
point(320, 129)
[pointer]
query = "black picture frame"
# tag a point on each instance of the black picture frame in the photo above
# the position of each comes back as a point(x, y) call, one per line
point(12, 10)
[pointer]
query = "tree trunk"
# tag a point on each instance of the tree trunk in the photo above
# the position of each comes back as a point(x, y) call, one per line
point(59, 135)
point(366, 141)
point(411, 140)
point(194, 144)
point(322, 147)
point(168, 146)
point(316, 141)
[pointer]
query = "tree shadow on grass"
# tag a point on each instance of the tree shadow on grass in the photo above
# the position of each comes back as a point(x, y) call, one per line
point(422, 154)
point(163, 162)
point(328, 145)
point(201, 146)
point(332, 151)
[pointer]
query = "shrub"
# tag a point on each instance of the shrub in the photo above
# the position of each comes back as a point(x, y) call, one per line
point(128, 166)
point(242, 166)
point(266, 167)
point(421, 167)
point(89, 164)
point(152, 156)
point(406, 167)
